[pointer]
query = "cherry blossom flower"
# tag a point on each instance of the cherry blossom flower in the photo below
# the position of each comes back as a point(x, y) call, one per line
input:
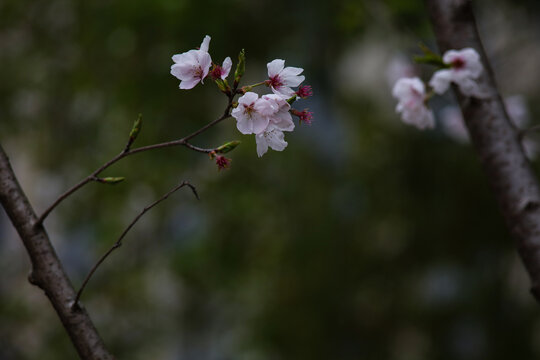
point(277, 109)
point(411, 95)
point(281, 78)
point(221, 72)
point(271, 137)
point(465, 68)
point(249, 113)
point(192, 66)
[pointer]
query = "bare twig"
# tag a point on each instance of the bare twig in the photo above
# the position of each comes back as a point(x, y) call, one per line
point(118, 242)
point(494, 137)
point(127, 152)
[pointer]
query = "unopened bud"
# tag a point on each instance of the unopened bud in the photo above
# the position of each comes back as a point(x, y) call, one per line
point(240, 67)
point(222, 162)
point(225, 148)
point(111, 180)
point(135, 130)
point(223, 86)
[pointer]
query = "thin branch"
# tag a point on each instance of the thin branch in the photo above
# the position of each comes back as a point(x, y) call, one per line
point(118, 242)
point(124, 153)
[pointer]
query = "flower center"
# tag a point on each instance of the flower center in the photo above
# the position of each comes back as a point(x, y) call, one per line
point(275, 82)
point(458, 63)
point(198, 72)
point(249, 109)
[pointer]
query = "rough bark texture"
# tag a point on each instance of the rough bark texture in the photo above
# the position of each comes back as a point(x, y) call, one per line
point(494, 137)
point(47, 271)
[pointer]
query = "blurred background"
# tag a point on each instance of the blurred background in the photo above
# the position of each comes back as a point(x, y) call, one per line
point(364, 239)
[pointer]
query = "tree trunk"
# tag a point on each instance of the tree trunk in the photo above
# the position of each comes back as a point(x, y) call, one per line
point(495, 139)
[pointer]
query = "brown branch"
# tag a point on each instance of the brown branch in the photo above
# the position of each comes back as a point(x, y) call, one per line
point(126, 152)
point(47, 271)
point(495, 139)
point(118, 242)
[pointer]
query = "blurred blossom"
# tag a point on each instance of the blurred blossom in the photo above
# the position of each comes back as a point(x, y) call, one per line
point(411, 96)
point(465, 68)
point(399, 67)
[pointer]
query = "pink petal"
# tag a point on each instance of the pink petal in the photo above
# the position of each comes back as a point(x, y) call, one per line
point(227, 65)
point(259, 123)
point(291, 71)
point(248, 98)
point(275, 67)
point(205, 44)
point(189, 83)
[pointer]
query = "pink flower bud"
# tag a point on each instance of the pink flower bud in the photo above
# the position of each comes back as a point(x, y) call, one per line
point(222, 162)
point(304, 91)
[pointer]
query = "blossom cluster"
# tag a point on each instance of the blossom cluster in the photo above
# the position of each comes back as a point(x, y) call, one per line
point(460, 67)
point(267, 116)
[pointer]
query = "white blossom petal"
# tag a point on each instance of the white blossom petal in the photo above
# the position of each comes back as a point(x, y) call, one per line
point(249, 119)
point(275, 66)
point(440, 81)
point(291, 71)
point(270, 137)
point(205, 44)
point(227, 65)
point(248, 98)
point(189, 83)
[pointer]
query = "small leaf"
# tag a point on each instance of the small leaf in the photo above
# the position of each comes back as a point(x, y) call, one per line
point(240, 68)
point(431, 60)
point(225, 148)
point(429, 57)
point(111, 180)
point(136, 128)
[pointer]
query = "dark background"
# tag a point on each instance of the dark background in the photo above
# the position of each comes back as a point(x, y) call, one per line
point(364, 239)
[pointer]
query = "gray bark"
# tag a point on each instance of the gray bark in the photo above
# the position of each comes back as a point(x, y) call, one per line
point(495, 139)
point(47, 271)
